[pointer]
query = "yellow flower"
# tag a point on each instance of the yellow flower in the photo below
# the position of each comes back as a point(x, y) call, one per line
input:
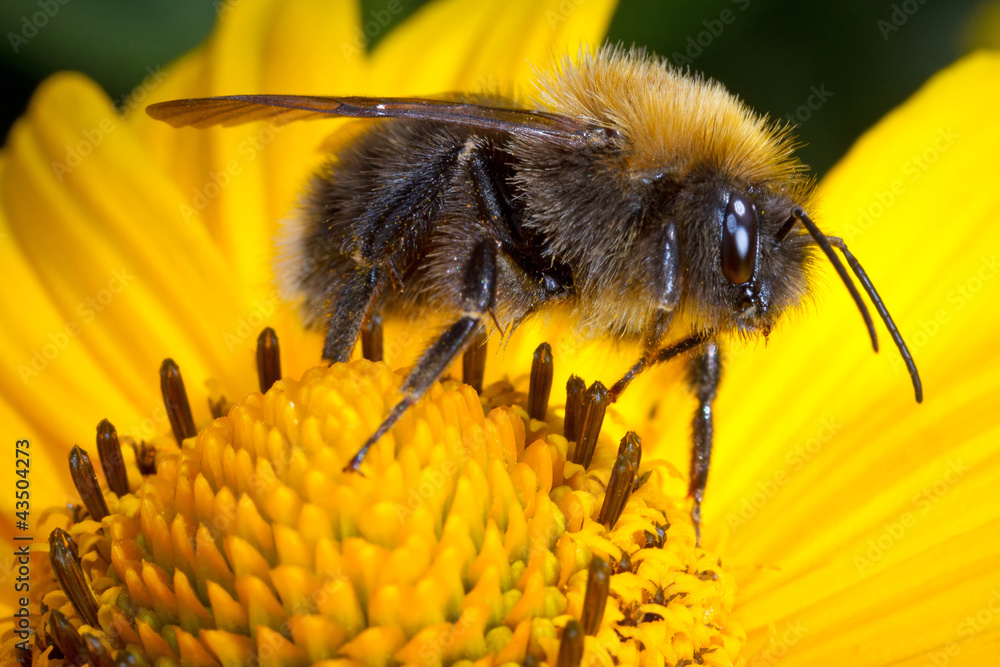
point(858, 526)
point(478, 540)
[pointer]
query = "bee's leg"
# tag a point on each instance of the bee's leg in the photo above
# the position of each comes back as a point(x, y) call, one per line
point(478, 292)
point(683, 346)
point(474, 360)
point(704, 372)
point(655, 332)
point(667, 290)
point(353, 302)
point(371, 337)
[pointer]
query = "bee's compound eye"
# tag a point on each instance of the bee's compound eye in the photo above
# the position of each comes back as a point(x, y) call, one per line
point(739, 239)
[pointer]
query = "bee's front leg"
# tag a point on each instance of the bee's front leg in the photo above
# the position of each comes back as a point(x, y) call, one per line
point(665, 290)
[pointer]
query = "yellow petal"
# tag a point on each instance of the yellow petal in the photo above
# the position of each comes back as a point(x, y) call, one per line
point(864, 522)
point(103, 272)
point(495, 43)
point(131, 241)
point(185, 218)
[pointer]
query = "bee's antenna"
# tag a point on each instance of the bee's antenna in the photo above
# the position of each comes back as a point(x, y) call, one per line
point(866, 282)
point(827, 243)
point(821, 240)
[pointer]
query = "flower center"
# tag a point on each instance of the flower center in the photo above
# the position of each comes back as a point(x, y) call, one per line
point(478, 530)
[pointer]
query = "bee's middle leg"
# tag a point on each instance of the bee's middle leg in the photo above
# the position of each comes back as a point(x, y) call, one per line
point(704, 373)
point(478, 293)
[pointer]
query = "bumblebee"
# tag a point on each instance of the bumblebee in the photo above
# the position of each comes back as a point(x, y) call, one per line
point(650, 202)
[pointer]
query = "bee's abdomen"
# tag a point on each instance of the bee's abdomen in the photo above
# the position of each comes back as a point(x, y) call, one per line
point(373, 203)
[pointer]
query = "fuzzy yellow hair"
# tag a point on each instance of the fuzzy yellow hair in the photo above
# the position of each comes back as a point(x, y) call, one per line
point(672, 120)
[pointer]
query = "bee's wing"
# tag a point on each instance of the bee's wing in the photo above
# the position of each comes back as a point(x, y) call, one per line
point(236, 109)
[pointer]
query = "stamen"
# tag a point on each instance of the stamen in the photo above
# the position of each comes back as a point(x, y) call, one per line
point(474, 361)
point(575, 387)
point(269, 359)
point(109, 450)
point(176, 401)
point(82, 471)
point(65, 637)
point(145, 457)
point(654, 541)
point(596, 597)
point(595, 403)
point(125, 658)
point(371, 338)
point(571, 645)
point(622, 477)
point(66, 565)
point(642, 479)
point(98, 652)
point(540, 385)
point(217, 407)
point(623, 564)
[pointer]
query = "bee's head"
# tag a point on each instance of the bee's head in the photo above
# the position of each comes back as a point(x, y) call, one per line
point(744, 268)
point(747, 261)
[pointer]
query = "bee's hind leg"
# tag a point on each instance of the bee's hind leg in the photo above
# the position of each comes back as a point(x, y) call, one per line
point(478, 292)
point(704, 373)
point(353, 301)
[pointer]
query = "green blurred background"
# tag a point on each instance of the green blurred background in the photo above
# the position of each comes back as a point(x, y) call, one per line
point(852, 62)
